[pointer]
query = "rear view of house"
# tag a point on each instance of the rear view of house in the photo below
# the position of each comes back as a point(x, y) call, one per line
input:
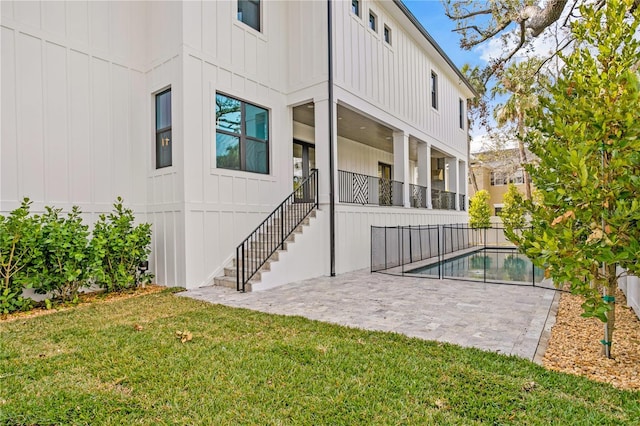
point(205, 115)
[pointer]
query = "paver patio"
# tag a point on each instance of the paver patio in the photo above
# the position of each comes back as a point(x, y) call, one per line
point(512, 320)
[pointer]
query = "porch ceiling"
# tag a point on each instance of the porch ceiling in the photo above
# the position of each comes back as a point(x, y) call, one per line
point(357, 127)
point(351, 125)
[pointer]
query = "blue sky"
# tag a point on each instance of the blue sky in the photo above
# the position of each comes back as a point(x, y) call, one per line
point(431, 15)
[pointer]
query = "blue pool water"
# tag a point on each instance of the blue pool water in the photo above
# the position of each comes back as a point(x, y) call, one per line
point(489, 265)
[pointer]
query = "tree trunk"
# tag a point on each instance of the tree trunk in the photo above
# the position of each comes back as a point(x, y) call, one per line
point(609, 298)
point(523, 159)
point(472, 176)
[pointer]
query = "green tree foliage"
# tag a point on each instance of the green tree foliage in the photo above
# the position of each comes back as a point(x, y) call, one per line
point(522, 83)
point(586, 134)
point(19, 234)
point(479, 210)
point(513, 211)
point(66, 262)
point(120, 247)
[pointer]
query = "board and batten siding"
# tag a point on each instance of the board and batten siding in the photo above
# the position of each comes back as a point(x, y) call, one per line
point(224, 55)
point(353, 241)
point(396, 77)
point(77, 113)
point(73, 106)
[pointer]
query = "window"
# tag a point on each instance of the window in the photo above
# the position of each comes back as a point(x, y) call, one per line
point(503, 178)
point(518, 177)
point(461, 112)
point(434, 90)
point(372, 21)
point(163, 129)
point(497, 210)
point(242, 135)
point(249, 13)
point(355, 7)
point(498, 179)
point(387, 35)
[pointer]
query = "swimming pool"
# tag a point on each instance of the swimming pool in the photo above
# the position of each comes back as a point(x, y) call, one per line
point(503, 265)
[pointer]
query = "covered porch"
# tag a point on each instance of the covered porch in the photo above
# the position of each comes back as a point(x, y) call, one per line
point(378, 165)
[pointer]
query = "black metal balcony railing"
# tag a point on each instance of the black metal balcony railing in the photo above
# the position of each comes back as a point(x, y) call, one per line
point(418, 196)
point(356, 188)
point(462, 200)
point(443, 200)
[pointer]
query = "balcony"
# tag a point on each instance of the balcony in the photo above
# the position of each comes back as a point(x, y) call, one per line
point(356, 188)
point(443, 200)
point(418, 196)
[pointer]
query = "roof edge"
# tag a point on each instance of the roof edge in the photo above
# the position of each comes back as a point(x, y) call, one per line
point(431, 40)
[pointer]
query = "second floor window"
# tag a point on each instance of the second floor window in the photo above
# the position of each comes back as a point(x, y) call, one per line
point(373, 21)
point(461, 112)
point(355, 7)
point(242, 135)
point(503, 178)
point(387, 35)
point(434, 90)
point(249, 13)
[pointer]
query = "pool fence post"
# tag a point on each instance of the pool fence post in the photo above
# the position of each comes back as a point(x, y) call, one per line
point(439, 256)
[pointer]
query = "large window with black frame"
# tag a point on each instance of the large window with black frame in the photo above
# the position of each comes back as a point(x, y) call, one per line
point(163, 129)
point(242, 135)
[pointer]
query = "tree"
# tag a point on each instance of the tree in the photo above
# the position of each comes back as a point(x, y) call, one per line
point(586, 133)
point(513, 210)
point(516, 23)
point(479, 210)
point(523, 83)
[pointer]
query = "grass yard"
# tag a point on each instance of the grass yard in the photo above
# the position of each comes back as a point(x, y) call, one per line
point(120, 362)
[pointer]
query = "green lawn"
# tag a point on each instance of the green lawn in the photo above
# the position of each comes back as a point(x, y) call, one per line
point(90, 365)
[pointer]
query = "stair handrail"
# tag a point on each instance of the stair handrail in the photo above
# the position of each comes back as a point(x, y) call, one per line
point(263, 242)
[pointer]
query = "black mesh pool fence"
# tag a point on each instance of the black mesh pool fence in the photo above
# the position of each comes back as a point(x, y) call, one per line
point(395, 247)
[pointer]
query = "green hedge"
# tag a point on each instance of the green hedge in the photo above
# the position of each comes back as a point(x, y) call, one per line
point(53, 253)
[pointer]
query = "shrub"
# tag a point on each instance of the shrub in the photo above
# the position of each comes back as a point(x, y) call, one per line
point(513, 211)
point(19, 234)
point(119, 247)
point(479, 210)
point(66, 261)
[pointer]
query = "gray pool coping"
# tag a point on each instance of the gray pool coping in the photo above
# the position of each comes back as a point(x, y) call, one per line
point(507, 319)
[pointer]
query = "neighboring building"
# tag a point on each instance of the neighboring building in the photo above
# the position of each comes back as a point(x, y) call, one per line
point(494, 171)
point(201, 115)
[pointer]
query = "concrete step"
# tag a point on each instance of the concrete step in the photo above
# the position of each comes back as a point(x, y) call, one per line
point(231, 272)
point(290, 221)
point(265, 267)
point(273, 258)
point(266, 244)
point(230, 282)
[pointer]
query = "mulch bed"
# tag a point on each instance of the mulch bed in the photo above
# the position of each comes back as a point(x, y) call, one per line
point(575, 346)
point(91, 297)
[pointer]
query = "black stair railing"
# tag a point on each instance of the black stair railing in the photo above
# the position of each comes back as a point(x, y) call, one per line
point(272, 233)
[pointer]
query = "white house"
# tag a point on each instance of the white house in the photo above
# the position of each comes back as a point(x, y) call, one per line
point(202, 114)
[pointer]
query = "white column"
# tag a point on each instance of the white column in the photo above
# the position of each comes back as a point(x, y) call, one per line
point(451, 179)
point(401, 163)
point(321, 114)
point(423, 169)
point(463, 180)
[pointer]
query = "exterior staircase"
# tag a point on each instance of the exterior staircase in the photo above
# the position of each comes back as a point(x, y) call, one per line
point(229, 278)
point(273, 236)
